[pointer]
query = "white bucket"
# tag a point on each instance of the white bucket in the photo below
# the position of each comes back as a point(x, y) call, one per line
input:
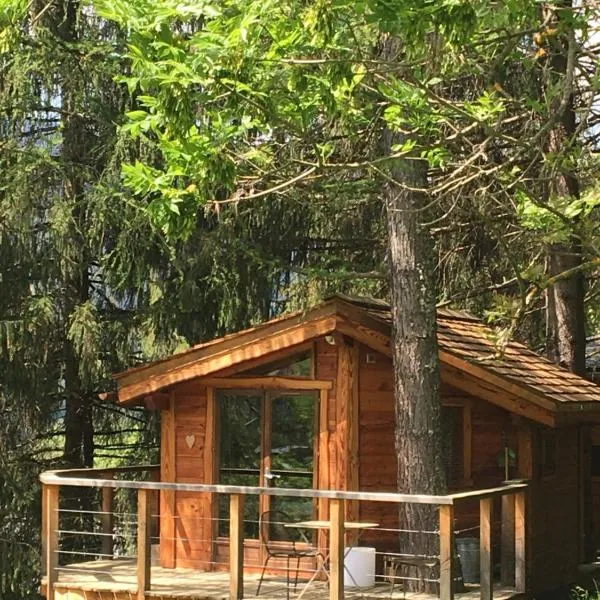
point(359, 563)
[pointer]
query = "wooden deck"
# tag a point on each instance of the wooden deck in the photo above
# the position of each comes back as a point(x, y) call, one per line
point(116, 580)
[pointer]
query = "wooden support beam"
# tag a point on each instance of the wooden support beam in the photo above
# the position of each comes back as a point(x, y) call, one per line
point(446, 552)
point(347, 431)
point(168, 471)
point(507, 546)
point(210, 473)
point(336, 550)
point(486, 577)
point(51, 506)
point(236, 547)
point(143, 543)
point(266, 383)
point(43, 535)
point(323, 467)
point(521, 542)
point(107, 520)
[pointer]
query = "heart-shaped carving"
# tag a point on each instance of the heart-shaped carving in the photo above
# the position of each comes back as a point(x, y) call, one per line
point(190, 440)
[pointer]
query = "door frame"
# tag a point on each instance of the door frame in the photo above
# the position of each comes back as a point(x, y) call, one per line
point(266, 423)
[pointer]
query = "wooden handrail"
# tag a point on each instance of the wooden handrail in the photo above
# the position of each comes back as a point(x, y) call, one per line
point(71, 477)
point(517, 492)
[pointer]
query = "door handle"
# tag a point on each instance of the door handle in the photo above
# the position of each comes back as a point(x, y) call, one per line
point(270, 476)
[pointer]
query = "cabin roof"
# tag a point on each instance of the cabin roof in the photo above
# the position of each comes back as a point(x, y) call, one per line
point(466, 345)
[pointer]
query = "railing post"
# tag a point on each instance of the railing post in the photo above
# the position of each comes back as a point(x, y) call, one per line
point(507, 547)
point(51, 498)
point(143, 543)
point(107, 521)
point(521, 542)
point(236, 547)
point(446, 552)
point(336, 550)
point(485, 549)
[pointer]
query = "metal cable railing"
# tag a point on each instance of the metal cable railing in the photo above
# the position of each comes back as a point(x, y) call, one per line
point(130, 544)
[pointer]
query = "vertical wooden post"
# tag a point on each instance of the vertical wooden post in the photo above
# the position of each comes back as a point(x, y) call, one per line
point(336, 550)
point(107, 521)
point(168, 469)
point(521, 542)
point(322, 463)
point(486, 577)
point(446, 552)
point(51, 493)
point(143, 543)
point(211, 500)
point(507, 546)
point(43, 535)
point(236, 547)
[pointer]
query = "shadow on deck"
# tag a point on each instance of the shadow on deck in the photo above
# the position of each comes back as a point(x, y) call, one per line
point(116, 580)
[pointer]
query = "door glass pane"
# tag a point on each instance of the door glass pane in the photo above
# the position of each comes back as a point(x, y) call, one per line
point(292, 452)
point(239, 458)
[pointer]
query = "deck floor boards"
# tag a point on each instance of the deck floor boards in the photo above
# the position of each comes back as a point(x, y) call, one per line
point(109, 578)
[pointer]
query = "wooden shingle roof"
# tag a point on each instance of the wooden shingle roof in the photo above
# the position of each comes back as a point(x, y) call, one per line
point(520, 379)
point(469, 338)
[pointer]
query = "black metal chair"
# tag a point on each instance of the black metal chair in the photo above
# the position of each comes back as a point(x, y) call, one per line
point(273, 532)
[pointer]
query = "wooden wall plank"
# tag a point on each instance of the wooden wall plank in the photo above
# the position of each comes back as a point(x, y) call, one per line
point(525, 450)
point(468, 440)
point(168, 467)
point(211, 451)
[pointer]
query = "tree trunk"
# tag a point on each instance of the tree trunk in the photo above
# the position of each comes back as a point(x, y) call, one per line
point(78, 444)
point(415, 355)
point(565, 313)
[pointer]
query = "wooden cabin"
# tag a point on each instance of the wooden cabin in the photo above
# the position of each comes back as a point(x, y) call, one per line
point(306, 401)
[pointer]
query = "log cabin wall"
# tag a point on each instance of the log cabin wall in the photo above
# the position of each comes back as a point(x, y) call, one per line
point(183, 437)
point(489, 427)
point(554, 511)
point(184, 429)
point(187, 428)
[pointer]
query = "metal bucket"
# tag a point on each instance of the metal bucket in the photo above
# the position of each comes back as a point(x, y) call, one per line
point(468, 553)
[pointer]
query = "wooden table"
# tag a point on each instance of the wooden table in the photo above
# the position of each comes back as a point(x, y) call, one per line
point(348, 525)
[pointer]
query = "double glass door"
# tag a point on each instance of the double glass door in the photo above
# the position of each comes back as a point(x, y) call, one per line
point(266, 440)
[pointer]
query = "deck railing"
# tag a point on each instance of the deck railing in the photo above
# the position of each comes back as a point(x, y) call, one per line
point(512, 524)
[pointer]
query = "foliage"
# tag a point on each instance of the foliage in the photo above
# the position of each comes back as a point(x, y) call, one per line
point(286, 101)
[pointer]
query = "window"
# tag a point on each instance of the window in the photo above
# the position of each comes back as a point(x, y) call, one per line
point(595, 461)
point(456, 443)
point(299, 365)
point(547, 452)
point(266, 440)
